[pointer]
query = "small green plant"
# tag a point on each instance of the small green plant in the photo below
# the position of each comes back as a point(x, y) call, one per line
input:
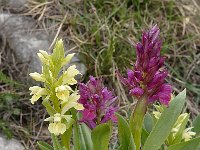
point(8, 103)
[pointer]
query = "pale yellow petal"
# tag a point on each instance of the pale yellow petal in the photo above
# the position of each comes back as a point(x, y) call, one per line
point(44, 53)
point(62, 92)
point(68, 76)
point(35, 98)
point(41, 92)
point(79, 106)
point(188, 134)
point(57, 117)
point(67, 59)
point(156, 114)
point(34, 89)
point(37, 92)
point(69, 105)
point(74, 97)
point(49, 119)
point(43, 59)
point(38, 77)
point(57, 128)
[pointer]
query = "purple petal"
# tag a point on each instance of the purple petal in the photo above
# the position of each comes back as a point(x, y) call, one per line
point(165, 94)
point(106, 94)
point(157, 79)
point(88, 115)
point(137, 91)
point(93, 81)
point(138, 75)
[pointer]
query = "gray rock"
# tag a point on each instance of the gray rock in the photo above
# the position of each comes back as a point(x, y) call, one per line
point(25, 41)
point(80, 66)
point(14, 5)
point(10, 144)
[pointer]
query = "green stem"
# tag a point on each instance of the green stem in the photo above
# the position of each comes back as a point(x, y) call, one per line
point(56, 144)
point(136, 120)
point(65, 138)
point(55, 102)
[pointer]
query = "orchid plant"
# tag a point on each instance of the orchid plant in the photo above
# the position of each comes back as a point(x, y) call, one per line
point(81, 118)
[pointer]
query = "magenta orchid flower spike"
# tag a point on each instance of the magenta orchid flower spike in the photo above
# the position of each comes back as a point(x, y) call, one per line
point(146, 82)
point(98, 101)
point(147, 78)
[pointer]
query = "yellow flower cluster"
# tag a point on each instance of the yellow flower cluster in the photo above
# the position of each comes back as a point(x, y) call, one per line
point(56, 91)
point(179, 130)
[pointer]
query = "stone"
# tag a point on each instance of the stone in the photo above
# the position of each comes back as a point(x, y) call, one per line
point(15, 6)
point(10, 144)
point(25, 40)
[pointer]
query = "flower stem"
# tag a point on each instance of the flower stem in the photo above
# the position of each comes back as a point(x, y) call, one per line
point(65, 138)
point(136, 120)
point(55, 102)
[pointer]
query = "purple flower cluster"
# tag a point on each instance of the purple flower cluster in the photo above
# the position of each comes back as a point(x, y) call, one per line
point(98, 101)
point(147, 78)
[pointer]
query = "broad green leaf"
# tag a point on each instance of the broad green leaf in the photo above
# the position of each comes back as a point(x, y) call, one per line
point(65, 138)
point(82, 135)
point(193, 144)
point(144, 136)
point(76, 138)
point(196, 124)
point(131, 144)
point(125, 136)
point(165, 123)
point(86, 136)
point(44, 146)
point(148, 122)
point(101, 136)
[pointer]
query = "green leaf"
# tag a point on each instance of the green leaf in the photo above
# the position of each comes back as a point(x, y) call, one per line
point(44, 146)
point(144, 136)
point(7, 80)
point(82, 138)
point(101, 136)
point(82, 134)
point(86, 136)
point(57, 57)
point(193, 144)
point(56, 144)
point(125, 136)
point(76, 138)
point(51, 111)
point(148, 122)
point(165, 123)
point(58, 51)
point(196, 124)
point(5, 129)
point(66, 136)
